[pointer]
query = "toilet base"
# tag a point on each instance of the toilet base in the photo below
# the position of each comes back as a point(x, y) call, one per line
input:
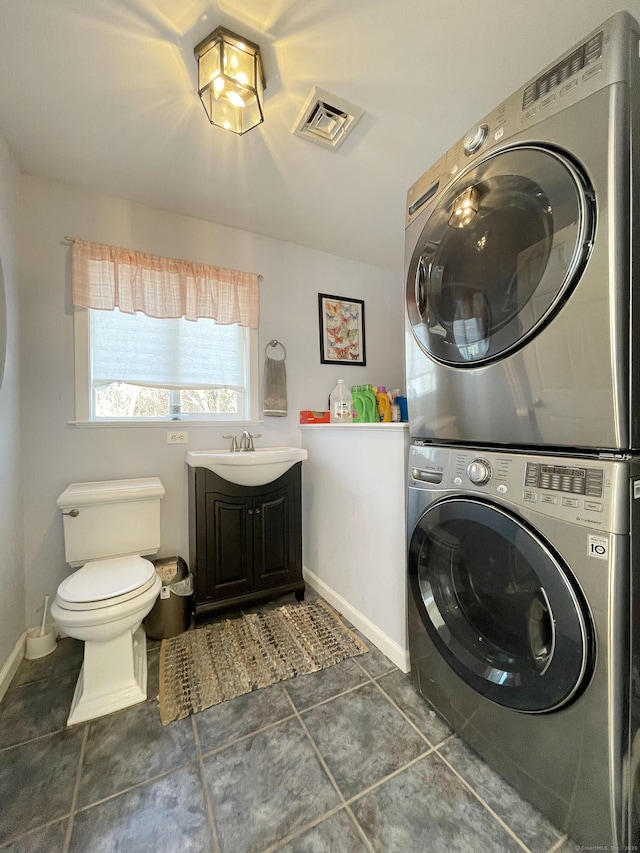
point(113, 676)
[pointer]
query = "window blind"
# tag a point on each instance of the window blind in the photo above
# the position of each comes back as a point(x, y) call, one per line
point(168, 353)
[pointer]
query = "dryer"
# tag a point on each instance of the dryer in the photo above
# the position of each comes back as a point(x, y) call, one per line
point(524, 624)
point(519, 259)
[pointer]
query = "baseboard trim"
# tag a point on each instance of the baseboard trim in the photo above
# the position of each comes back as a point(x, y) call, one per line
point(382, 641)
point(11, 664)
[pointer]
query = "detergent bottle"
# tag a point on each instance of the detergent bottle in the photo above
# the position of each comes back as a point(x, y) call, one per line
point(370, 405)
point(384, 404)
point(359, 413)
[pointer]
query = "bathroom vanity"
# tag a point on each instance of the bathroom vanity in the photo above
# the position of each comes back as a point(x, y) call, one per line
point(245, 541)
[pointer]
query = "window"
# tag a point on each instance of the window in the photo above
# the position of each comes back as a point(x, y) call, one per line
point(130, 366)
point(138, 357)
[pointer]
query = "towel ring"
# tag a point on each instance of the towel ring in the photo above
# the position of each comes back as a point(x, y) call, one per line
point(275, 343)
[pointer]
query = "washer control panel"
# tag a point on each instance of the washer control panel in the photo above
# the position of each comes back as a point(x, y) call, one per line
point(564, 478)
point(589, 492)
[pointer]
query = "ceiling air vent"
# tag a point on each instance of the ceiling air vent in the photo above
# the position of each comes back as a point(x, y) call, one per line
point(326, 119)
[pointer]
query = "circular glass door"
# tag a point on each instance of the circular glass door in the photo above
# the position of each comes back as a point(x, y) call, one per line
point(498, 255)
point(499, 606)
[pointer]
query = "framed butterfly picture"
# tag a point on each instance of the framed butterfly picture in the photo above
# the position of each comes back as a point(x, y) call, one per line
point(341, 330)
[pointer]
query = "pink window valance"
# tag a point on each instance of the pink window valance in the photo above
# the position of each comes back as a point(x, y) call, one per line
point(106, 277)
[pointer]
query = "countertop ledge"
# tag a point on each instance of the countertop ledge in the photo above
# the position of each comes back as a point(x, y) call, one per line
point(381, 426)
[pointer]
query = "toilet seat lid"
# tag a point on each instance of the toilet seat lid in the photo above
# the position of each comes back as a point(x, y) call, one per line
point(103, 581)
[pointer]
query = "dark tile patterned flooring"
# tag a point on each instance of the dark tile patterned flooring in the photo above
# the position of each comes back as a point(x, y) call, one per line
point(349, 759)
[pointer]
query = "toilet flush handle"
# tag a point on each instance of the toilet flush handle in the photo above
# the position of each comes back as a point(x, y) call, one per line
point(72, 512)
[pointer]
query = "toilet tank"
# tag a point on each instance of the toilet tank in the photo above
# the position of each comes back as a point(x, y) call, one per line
point(111, 518)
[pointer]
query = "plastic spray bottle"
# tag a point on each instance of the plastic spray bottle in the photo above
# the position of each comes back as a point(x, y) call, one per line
point(395, 408)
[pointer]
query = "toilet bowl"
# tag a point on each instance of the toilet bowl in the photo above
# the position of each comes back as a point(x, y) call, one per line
point(104, 601)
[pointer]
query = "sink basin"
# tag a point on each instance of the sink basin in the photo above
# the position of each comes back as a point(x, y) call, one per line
point(248, 468)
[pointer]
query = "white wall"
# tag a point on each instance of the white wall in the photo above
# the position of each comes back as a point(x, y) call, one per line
point(12, 592)
point(354, 495)
point(57, 454)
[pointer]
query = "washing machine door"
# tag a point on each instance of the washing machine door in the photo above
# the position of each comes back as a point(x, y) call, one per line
point(499, 254)
point(499, 605)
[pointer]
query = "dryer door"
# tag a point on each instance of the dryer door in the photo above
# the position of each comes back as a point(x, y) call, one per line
point(499, 605)
point(499, 254)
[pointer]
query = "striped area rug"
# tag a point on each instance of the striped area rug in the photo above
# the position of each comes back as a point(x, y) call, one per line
point(202, 668)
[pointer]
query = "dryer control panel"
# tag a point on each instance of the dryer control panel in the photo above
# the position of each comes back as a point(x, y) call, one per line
point(590, 492)
point(604, 57)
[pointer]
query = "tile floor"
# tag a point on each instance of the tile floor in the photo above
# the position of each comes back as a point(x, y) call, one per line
point(349, 759)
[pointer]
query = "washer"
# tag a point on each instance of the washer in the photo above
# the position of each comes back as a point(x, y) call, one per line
point(521, 631)
point(518, 262)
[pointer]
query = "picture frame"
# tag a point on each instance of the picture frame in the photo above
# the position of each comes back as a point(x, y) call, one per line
point(342, 330)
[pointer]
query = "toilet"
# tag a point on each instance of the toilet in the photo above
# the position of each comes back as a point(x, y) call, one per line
point(108, 527)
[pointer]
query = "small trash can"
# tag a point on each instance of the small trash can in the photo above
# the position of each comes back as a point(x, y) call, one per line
point(173, 610)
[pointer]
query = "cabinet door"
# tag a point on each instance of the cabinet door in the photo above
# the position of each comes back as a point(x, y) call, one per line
point(274, 538)
point(244, 542)
point(229, 569)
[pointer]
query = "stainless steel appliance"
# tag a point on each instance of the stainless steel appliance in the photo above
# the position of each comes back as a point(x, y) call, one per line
point(524, 623)
point(519, 261)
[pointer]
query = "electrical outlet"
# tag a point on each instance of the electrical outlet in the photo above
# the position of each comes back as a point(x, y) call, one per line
point(175, 436)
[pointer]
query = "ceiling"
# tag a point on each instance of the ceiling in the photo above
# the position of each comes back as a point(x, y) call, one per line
point(102, 94)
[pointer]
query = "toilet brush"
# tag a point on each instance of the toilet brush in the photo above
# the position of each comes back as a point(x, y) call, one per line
point(44, 616)
point(40, 641)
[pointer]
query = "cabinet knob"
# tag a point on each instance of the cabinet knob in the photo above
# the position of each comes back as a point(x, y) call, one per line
point(250, 512)
point(257, 512)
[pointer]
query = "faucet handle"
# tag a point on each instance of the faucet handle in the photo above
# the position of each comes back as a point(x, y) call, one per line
point(234, 443)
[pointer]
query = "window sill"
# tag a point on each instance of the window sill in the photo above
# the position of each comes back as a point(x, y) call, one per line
point(184, 423)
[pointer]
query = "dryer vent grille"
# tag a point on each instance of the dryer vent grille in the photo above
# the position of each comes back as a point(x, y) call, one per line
point(326, 119)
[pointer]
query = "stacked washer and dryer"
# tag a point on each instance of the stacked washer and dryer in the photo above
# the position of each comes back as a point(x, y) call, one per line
point(523, 382)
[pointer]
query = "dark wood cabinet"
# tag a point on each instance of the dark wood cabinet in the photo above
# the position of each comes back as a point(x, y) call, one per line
point(245, 543)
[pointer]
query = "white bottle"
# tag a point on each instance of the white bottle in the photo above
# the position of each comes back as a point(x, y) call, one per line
point(340, 404)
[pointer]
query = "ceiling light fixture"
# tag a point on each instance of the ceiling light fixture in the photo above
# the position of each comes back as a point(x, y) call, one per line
point(230, 80)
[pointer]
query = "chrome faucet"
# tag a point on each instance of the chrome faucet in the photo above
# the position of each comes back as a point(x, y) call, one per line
point(246, 440)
